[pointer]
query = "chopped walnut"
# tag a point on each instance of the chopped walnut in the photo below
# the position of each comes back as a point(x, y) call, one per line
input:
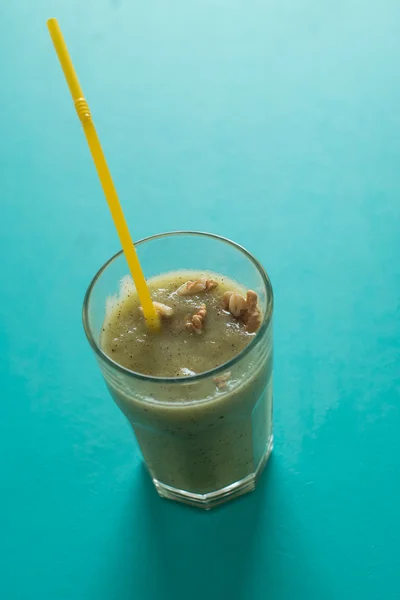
point(211, 284)
point(254, 321)
point(197, 321)
point(252, 316)
point(196, 287)
point(191, 287)
point(245, 309)
point(237, 304)
point(251, 299)
point(225, 300)
point(162, 309)
point(222, 380)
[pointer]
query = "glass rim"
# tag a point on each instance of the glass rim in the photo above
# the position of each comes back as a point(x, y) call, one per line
point(198, 376)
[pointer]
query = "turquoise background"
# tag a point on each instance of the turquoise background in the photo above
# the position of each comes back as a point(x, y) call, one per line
point(275, 123)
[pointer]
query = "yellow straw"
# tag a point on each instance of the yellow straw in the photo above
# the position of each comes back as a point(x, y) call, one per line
point(103, 172)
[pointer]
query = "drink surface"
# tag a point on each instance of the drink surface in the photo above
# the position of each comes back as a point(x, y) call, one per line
point(176, 350)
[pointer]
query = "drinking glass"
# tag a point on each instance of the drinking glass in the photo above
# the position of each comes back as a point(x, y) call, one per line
point(205, 438)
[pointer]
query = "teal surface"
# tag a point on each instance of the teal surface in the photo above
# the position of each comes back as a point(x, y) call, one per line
point(275, 123)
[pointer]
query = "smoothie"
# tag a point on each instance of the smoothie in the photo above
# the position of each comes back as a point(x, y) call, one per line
point(213, 431)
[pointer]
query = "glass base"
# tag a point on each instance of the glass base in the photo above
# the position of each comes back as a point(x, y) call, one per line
point(212, 499)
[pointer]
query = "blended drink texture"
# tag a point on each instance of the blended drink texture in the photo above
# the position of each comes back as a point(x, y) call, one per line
point(210, 432)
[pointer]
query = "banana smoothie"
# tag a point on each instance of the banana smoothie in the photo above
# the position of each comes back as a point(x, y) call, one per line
point(213, 430)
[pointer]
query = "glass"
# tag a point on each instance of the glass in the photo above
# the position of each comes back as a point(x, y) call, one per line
point(206, 438)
